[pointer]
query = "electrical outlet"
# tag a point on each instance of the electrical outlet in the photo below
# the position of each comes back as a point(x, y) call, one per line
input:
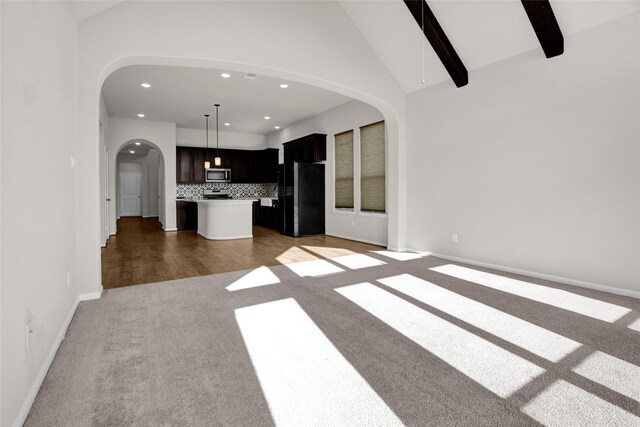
point(68, 279)
point(454, 237)
point(29, 332)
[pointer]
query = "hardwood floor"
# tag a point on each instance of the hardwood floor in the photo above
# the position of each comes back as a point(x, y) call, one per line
point(142, 252)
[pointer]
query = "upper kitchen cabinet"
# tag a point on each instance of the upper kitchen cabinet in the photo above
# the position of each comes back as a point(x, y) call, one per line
point(247, 166)
point(265, 166)
point(308, 149)
point(189, 165)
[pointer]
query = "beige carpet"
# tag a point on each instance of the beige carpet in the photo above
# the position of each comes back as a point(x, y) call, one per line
point(370, 340)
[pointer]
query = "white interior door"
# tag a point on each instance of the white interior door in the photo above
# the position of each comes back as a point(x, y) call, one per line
point(130, 183)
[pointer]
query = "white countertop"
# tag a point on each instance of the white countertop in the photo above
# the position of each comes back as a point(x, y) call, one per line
point(200, 199)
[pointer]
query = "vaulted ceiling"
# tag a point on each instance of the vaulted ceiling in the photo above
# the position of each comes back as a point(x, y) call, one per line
point(482, 32)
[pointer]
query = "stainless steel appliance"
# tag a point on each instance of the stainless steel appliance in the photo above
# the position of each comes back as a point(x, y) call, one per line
point(215, 194)
point(217, 175)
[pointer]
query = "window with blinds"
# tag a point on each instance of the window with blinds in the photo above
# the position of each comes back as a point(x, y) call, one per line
point(344, 170)
point(372, 168)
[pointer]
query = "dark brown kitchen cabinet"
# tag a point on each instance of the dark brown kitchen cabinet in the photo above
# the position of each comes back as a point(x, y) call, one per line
point(265, 166)
point(247, 166)
point(183, 165)
point(266, 216)
point(186, 215)
point(189, 165)
point(198, 165)
point(308, 149)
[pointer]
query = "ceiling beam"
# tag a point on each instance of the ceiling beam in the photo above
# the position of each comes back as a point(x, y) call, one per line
point(545, 25)
point(439, 41)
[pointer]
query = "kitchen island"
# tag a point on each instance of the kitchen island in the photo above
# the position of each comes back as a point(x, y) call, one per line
point(225, 219)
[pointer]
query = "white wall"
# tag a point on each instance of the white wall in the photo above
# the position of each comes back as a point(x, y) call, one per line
point(355, 225)
point(153, 186)
point(104, 132)
point(308, 42)
point(196, 138)
point(38, 246)
point(157, 134)
point(536, 162)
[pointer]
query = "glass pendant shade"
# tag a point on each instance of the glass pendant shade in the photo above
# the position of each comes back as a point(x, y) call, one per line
point(217, 160)
point(207, 164)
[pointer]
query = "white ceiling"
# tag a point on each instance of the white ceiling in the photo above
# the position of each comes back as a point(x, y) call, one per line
point(183, 95)
point(83, 9)
point(482, 32)
point(139, 152)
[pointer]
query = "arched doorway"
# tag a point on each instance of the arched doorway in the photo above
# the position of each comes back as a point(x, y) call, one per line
point(387, 100)
point(137, 175)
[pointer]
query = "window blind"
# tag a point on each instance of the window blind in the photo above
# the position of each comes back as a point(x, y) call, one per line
point(373, 170)
point(344, 170)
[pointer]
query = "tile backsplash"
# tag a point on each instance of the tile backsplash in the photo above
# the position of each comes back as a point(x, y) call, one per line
point(236, 190)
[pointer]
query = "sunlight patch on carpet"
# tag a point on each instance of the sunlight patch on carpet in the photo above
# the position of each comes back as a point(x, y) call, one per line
point(316, 268)
point(305, 379)
point(556, 297)
point(399, 256)
point(495, 368)
point(531, 337)
point(564, 404)
point(609, 371)
point(635, 325)
point(261, 276)
point(358, 261)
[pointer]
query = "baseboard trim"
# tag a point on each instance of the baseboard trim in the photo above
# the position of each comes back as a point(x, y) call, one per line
point(536, 275)
point(91, 295)
point(31, 396)
point(169, 229)
point(355, 239)
point(241, 236)
point(396, 249)
point(33, 392)
point(150, 216)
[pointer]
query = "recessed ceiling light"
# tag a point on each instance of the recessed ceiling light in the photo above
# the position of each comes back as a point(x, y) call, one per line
point(145, 85)
point(140, 115)
point(277, 127)
point(131, 151)
point(267, 117)
point(227, 124)
point(138, 143)
point(225, 75)
point(284, 85)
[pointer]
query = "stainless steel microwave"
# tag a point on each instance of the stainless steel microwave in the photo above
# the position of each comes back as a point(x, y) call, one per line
point(217, 175)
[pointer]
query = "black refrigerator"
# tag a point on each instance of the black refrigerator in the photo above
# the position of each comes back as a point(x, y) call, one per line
point(301, 199)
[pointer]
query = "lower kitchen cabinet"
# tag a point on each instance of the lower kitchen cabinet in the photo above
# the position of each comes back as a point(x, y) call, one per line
point(186, 215)
point(265, 216)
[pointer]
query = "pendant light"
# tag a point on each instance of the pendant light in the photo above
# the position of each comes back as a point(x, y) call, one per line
point(217, 160)
point(207, 163)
